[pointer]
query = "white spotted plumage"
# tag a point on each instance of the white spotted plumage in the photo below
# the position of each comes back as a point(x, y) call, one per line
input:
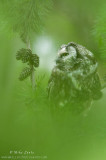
point(75, 73)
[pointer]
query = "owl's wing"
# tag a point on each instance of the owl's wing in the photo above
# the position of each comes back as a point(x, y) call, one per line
point(51, 81)
point(89, 62)
point(54, 82)
point(86, 68)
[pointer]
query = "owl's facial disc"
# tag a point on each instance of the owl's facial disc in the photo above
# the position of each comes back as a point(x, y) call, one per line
point(63, 51)
point(66, 55)
point(72, 51)
point(67, 51)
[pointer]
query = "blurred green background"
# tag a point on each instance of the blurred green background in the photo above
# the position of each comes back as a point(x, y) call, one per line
point(26, 122)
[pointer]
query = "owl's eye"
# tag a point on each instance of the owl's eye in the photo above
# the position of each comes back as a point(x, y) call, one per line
point(64, 54)
point(64, 45)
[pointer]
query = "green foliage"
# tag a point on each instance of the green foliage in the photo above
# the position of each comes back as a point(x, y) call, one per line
point(32, 60)
point(26, 122)
point(100, 31)
point(104, 78)
point(24, 17)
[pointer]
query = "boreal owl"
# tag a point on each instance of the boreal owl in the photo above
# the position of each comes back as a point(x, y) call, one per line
point(74, 81)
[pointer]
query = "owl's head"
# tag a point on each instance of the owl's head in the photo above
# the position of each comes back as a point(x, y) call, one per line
point(67, 54)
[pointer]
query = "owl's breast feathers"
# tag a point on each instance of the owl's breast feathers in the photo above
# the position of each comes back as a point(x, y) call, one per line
point(73, 84)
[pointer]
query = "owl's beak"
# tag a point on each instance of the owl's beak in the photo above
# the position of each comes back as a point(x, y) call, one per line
point(61, 51)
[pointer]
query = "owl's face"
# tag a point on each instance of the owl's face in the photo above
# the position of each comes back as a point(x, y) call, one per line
point(66, 55)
